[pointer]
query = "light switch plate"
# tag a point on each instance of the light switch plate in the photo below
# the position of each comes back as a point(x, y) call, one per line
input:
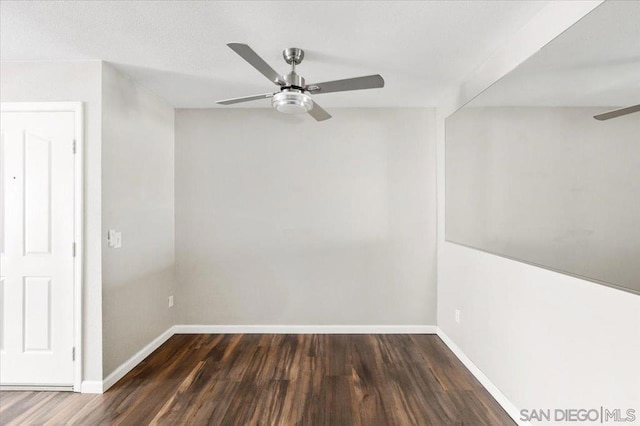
point(114, 238)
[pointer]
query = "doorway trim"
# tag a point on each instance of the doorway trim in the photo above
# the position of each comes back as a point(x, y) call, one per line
point(78, 215)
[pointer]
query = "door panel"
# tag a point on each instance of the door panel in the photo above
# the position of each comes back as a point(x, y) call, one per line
point(37, 314)
point(37, 195)
point(37, 207)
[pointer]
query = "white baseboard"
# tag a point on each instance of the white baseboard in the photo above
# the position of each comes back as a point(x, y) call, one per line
point(91, 386)
point(305, 329)
point(136, 359)
point(508, 406)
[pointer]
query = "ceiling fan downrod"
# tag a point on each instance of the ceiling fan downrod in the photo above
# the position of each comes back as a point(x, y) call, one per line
point(293, 56)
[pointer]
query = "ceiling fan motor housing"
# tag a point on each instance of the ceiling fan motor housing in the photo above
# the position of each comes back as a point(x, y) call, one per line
point(293, 80)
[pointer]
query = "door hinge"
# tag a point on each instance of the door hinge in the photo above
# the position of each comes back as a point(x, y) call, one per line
point(73, 249)
point(74, 146)
point(73, 353)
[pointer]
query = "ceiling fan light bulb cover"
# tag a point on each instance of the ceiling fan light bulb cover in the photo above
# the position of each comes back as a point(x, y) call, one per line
point(290, 102)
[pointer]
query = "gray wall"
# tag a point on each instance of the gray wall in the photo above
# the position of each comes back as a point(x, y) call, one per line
point(283, 220)
point(138, 200)
point(65, 82)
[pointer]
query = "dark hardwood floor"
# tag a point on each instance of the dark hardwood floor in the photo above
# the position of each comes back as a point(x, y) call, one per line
point(248, 379)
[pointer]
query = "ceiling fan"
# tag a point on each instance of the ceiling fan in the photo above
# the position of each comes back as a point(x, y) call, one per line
point(617, 113)
point(294, 95)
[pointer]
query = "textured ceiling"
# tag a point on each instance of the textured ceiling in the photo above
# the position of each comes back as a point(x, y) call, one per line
point(596, 62)
point(178, 49)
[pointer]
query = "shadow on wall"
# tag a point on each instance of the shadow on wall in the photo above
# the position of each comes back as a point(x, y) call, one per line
point(132, 324)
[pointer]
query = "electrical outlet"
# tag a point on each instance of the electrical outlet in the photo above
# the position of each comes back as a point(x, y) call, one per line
point(458, 316)
point(170, 301)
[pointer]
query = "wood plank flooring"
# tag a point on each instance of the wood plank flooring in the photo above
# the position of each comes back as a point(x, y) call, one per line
point(276, 379)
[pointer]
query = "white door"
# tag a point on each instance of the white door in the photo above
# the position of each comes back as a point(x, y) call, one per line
point(36, 244)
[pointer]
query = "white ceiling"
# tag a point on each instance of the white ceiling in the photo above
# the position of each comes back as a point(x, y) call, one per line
point(596, 62)
point(178, 49)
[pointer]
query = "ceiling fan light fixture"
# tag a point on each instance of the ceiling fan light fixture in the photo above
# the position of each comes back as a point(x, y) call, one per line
point(292, 102)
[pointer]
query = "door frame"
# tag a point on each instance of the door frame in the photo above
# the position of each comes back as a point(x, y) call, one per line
point(78, 214)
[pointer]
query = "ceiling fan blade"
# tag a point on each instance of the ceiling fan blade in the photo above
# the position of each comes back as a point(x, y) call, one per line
point(249, 55)
point(357, 83)
point(244, 99)
point(617, 113)
point(318, 113)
